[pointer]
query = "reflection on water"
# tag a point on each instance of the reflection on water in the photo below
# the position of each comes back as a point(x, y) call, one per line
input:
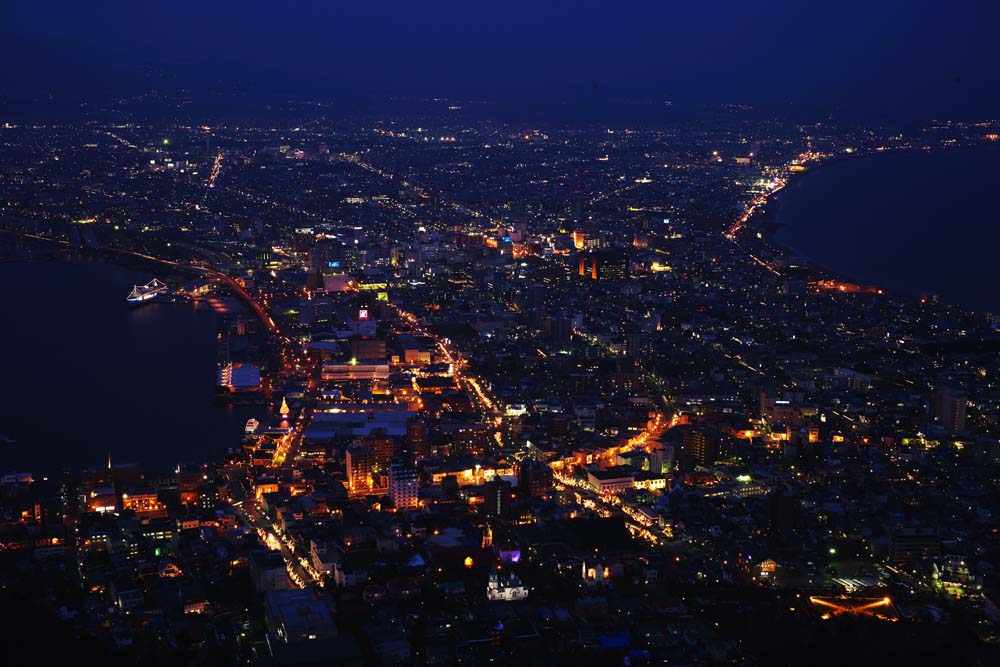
point(84, 373)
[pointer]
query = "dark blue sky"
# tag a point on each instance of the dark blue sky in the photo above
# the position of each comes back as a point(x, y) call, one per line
point(914, 57)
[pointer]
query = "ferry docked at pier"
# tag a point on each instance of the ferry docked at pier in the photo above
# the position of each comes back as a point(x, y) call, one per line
point(145, 293)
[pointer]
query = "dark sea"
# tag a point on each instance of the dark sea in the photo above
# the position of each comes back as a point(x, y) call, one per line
point(923, 223)
point(84, 374)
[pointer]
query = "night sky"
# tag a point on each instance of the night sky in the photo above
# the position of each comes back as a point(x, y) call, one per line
point(903, 57)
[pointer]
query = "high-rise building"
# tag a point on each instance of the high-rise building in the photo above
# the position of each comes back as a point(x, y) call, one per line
point(700, 447)
point(416, 439)
point(360, 461)
point(534, 478)
point(383, 449)
point(948, 409)
point(661, 458)
point(638, 345)
point(404, 485)
point(471, 439)
point(367, 349)
point(497, 498)
point(208, 496)
point(605, 265)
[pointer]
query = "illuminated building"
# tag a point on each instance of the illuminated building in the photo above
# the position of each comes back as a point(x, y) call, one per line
point(611, 480)
point(208, 496)
point(699, 447)
point(468, 439)
point(383, 450)
point(604, 265)
point(464, 474)
point(144, 502)
point(239, 377)
point(411, 351)
point(596, 572)
point(158, 529)
point(360, 461)
point(649, 481)
point(661, 458)
point(101, 499)
point(505, 586)
point(189, 478)
point(951, 575)
point(339, 372)
point(336, 282)
point(404, 486)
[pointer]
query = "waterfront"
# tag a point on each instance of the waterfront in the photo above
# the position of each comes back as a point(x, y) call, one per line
point(88, 374)
point(910, 222)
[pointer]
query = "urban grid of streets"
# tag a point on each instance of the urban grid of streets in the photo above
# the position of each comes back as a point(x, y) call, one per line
point(591, 326)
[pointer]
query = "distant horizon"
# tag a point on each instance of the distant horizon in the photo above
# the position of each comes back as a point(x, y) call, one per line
point(640, 109)
point(888, 60)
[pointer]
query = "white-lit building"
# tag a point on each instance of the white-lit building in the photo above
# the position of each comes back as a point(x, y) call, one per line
point(611, 480)
point(404, 486)
point(504, 586)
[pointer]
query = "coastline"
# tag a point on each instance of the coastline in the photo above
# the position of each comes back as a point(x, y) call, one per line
point(765, 221)
point(145, 393)
point(122, 256)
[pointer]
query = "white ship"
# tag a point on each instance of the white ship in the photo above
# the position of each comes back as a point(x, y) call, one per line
point(145, 293)
point(252, 426)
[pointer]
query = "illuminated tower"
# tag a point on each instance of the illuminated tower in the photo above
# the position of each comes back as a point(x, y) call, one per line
point(284, 409)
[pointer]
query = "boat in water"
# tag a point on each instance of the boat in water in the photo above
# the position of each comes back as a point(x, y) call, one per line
point(252, 426)
point(145, 293)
